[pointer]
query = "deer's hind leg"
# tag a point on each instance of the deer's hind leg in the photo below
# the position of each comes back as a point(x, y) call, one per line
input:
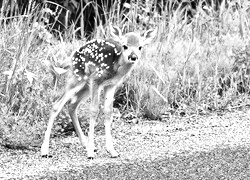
point(56, 109)
point(74, 103)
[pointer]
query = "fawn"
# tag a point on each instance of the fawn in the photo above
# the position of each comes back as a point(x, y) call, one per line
point(98, 65)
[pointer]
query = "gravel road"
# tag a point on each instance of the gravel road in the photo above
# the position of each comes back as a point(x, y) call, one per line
point(208, 147)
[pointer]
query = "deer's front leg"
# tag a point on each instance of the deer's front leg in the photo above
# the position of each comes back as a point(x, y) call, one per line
point(108, 115)
point(94, 111)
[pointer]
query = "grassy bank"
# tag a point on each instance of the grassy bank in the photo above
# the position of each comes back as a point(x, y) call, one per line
point(192, 68)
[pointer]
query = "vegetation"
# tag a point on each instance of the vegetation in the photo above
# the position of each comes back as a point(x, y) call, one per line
point(194, 66)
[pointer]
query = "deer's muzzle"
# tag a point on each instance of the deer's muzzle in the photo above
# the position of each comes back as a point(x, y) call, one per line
point(132, 57)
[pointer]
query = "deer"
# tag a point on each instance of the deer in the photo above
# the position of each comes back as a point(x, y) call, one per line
point(100, 65)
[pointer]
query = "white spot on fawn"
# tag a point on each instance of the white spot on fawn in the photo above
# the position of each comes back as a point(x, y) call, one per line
point(85, 77)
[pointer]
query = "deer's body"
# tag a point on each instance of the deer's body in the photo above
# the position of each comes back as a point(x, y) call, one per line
point(98, 65)
point(104, 65)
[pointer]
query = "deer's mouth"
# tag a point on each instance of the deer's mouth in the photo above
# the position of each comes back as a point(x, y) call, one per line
point(132, 58)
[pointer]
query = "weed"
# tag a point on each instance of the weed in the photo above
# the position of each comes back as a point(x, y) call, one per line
point(193, 67)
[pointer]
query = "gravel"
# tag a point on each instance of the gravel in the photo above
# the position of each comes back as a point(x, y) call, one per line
point(208, 147)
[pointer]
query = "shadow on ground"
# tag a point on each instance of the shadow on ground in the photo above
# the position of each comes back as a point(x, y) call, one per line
point(226, 163)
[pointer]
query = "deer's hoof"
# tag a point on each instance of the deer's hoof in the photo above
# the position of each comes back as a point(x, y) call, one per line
point(114, 153)
point(46, 156)
point(116, 156)
point(90, 158)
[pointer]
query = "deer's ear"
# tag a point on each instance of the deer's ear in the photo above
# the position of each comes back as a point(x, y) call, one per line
point(115, 33)
point(149, 35)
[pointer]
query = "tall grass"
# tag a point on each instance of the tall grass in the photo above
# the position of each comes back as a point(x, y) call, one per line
point(26, 47)
point(191, 68)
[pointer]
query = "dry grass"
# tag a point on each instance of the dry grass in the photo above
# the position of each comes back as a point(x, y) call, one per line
point(191, 68)
point(190, 65)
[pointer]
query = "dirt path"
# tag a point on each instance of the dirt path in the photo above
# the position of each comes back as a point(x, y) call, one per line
point(214, 147)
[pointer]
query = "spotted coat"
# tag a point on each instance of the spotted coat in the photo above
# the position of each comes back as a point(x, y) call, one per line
point(97, 57)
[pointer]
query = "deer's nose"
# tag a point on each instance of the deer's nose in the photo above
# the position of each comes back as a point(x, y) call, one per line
point(132, 57)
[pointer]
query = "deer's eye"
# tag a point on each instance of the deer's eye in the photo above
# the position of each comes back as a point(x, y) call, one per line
point(140, 47)
point(125, 47)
